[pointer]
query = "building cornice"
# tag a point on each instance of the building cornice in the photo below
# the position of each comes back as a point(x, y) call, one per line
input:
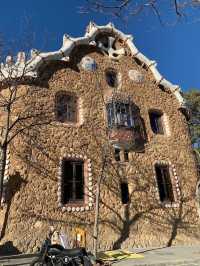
point(30, 67)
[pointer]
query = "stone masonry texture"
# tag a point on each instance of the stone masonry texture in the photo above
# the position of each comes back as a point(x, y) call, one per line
point(33, 205)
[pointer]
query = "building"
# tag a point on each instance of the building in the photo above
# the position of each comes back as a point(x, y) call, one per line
point(108, 113)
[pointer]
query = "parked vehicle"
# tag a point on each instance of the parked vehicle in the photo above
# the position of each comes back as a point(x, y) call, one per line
point(57, 255)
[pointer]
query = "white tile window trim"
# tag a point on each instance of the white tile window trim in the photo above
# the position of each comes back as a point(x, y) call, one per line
point(174, 179)
point(90, 199)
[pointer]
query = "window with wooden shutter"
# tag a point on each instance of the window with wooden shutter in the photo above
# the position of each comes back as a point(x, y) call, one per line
point(72, 181)
point(164, 183)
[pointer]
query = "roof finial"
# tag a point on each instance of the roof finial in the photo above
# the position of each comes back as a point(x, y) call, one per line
point(9, 60)
point(21, 57)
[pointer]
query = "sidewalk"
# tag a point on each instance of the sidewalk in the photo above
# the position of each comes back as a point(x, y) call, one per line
point(181, 256)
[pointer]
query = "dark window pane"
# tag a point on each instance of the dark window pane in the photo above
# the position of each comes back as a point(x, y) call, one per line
point(161, 185)
point(72, 181)
point(117, 154)
point(124, 193)
point(110, 114)
point(67, 172)
point(156, 122)
point(126, 159)
point(79, 191)
point(66, 107)
point(164, 183)
point(119, 114)
point(111, 77)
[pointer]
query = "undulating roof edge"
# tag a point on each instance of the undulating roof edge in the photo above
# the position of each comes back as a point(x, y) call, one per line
point(29, 67)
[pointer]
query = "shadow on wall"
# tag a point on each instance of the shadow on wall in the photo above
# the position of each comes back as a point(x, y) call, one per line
point(168, 222)
point(162, 221)
point(143, 203)
point(8, 249)
point(14, 185)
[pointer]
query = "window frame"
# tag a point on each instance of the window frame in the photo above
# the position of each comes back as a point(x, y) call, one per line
point(75, 109)
point(120, 114)
point(114, 81)
point(156, 119)
point(167, 183)
point(117, 154)
point(74, 202)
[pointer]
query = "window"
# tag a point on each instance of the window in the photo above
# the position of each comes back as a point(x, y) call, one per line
point(126, 159)
point(120, 114)
point(66, 107)
point(117, 154)
point(164, 183)
point(156, 121)
point(111, 77)
point(72, 181)
point(124, 193)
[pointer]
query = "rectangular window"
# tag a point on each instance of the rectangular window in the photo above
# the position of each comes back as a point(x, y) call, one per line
point(124, 193)
point(156, 121)
point(117, 154)
point(66, 107)
point(119, 114)
point(72, 181)
point(126, 159)
point(164, 183)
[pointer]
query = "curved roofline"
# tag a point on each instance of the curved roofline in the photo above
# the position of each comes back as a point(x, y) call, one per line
point(29, 68)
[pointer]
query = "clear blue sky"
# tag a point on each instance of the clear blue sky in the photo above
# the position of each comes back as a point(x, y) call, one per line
point(175, 48)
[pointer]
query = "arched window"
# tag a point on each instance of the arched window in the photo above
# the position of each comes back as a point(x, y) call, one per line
point(66, 107)
point(111, 77)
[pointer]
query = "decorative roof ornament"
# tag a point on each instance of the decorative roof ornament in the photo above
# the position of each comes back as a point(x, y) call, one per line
point(112, 52)
point(31, 66)
point(136, 76)
point(88, 63)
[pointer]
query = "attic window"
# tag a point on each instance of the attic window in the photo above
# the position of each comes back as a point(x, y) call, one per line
point(111, 77)
point(66, 107)
point(156, 121)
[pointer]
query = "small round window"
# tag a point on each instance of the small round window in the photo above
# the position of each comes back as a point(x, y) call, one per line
point(111, 77)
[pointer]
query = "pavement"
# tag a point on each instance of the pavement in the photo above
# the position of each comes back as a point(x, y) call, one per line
point(158, 256)
point(164, 256)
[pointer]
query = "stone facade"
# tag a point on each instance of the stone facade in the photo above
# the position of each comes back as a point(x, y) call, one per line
point(34, 193)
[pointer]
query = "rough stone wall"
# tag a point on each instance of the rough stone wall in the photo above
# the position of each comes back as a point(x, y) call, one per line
point(33, 192)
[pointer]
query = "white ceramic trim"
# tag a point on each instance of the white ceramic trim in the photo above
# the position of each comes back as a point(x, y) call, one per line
point(87, 206)
point(30, 67)
point(175, 178)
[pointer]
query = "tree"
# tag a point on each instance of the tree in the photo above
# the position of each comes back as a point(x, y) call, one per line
point(193, 102)
point(18, 112)
point(163, 10)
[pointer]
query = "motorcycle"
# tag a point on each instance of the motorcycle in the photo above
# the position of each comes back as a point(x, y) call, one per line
point(57, 255)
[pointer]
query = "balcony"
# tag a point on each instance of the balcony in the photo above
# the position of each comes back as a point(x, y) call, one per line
point(125, 126)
